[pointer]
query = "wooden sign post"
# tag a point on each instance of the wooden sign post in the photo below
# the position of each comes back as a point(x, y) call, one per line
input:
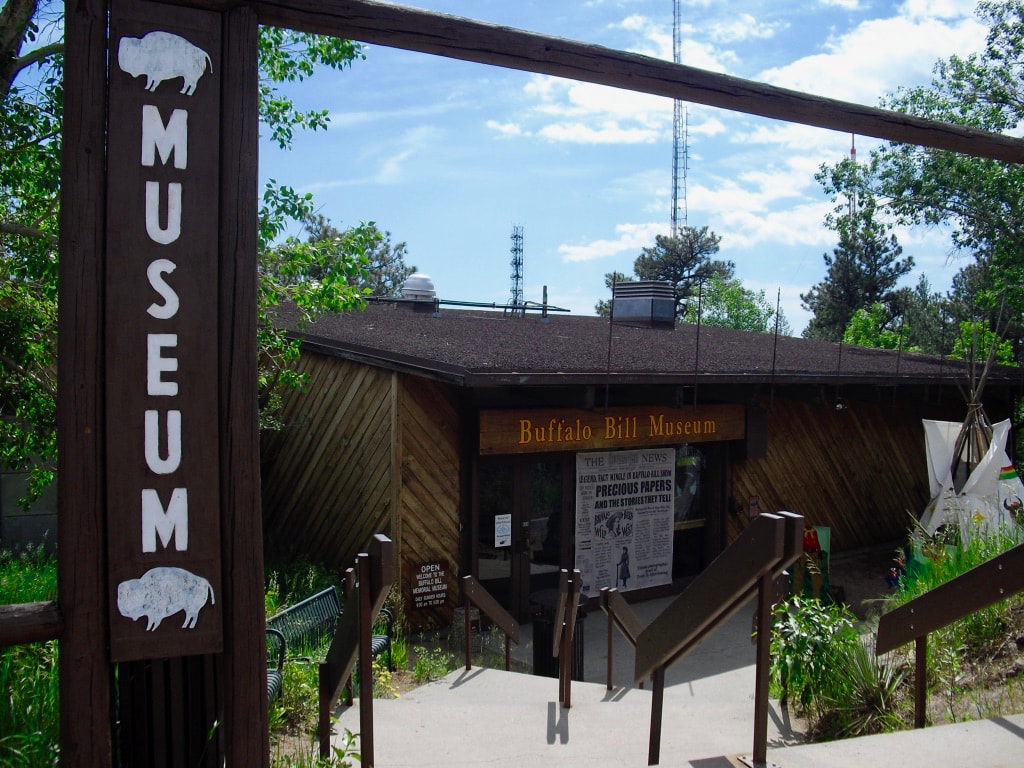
point(163, 521)
point(160, 537)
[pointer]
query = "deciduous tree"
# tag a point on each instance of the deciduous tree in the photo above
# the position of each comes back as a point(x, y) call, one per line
point(982, 201)
point(31, 102)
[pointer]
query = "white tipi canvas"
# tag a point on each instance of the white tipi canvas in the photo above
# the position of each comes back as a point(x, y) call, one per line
point(992, 494)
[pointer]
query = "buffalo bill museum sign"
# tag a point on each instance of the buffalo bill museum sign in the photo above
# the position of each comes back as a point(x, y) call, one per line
point(161, 335)
point(547, 430)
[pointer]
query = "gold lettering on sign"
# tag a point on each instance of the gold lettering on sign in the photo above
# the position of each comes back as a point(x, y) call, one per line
point(661, 427)
point(569, 429)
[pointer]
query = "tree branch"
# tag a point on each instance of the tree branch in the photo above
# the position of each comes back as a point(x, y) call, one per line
point(37, 55)
point(14, 228)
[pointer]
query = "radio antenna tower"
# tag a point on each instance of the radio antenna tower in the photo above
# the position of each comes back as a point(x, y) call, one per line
point(516, 305)
point(680, 151)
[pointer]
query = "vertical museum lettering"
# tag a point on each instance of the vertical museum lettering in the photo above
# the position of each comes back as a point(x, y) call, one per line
point(163, 519)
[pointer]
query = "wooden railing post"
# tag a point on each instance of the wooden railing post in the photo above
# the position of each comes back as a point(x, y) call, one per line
point(657, 710)
point(475, 595)
point(352, 642)
point(746, 567)
point(467, 631)
point(762, 673)
point(620, 615)
point(920, 680)
point(365, 664)
point(611, 624)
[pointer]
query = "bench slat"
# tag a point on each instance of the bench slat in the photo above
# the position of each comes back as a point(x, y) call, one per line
point(309, 623)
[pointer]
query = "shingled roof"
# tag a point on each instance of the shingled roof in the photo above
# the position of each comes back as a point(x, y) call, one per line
point(476, 348)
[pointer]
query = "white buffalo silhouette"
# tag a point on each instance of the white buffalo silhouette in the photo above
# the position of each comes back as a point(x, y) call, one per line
point(163, 56)
point(162, 592)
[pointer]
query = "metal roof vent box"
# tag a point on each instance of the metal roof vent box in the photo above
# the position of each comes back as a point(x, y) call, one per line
point(645, 302)
point(418, 290)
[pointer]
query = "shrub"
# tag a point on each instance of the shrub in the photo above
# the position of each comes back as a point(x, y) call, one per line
point(808, 641)
point(29, 721)
point(868, 700)
point(432, 664)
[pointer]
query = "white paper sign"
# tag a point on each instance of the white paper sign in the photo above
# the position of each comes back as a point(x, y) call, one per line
point(625, 518)
point(503, 530)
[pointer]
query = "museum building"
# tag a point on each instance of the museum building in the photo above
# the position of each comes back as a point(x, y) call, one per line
point(509, 445)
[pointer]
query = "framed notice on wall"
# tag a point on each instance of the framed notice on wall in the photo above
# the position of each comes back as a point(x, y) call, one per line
point(625, 518)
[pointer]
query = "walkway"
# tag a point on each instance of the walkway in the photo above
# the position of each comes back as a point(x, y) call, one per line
point(485, 717)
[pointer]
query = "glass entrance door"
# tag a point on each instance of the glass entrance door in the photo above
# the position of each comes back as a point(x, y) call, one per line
point(521, 528)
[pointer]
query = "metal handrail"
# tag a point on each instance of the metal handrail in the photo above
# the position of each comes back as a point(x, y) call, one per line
point(621, 617)
point(569, 589)
point(474, 594)
point(984, 585)
point(748, 566)
point(352, 643)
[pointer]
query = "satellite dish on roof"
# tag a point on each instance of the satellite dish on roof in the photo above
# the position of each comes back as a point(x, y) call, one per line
point(419, 286)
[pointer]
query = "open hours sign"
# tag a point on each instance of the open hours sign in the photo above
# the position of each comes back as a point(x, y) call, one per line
point(429, 585)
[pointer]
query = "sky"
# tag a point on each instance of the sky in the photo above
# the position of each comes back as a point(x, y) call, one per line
point(449, 156)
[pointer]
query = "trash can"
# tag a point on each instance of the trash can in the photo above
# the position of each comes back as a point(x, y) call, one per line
point(542, 610)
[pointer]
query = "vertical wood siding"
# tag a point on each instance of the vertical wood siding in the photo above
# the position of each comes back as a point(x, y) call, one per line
point(861, 471)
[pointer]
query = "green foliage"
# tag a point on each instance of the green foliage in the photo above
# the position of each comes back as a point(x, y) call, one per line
point(941, 557)
point(29, 734)
point(684, 259)
point(384, 270)
point(868, 696)
point(27, 576)
point(296, 707)
point(725, 303)
point(976, 341)
point(982, 201)
point(866, 265)
point(869, 328)
point(30, 148)
point(808, 640)
point(288, 56)
point(344, 755)
point(31, 76)
point(432, 664)
point(288, 583)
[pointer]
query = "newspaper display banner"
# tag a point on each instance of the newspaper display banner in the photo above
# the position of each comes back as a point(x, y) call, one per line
point(624, 518)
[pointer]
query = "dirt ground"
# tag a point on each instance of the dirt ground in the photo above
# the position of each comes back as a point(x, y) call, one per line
point(858, 578)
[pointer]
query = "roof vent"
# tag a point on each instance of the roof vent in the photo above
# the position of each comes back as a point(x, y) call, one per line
point(645, 302)
point(419, 287)
point(418, 290)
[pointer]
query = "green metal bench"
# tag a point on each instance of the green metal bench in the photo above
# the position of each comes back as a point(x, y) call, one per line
point(309, 625)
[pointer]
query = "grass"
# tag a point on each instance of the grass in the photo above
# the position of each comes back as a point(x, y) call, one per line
point(830, 670)
point(968, 661)
point(29, 713)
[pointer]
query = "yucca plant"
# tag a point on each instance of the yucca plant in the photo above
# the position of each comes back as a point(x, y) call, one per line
point(867, 701)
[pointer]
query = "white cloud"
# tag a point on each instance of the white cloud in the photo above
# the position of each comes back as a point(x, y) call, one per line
point(506, 129)
point(851, 69)
point(609, 132)
point(413, 142)
point(631, 238)
point(743, 27)
point(846, 5)
point(584, 113)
